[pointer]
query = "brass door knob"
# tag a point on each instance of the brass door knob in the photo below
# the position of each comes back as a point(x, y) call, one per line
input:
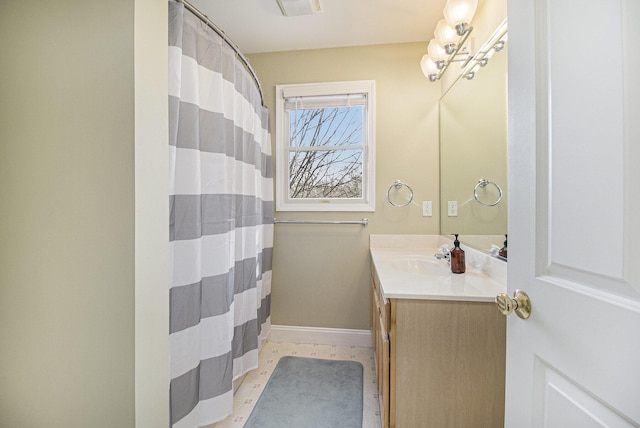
point(520, 304)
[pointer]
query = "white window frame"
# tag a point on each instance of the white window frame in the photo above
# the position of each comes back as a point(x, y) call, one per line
point(283, 201)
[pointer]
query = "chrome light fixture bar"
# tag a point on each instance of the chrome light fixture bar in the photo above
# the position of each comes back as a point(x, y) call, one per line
point(459, 54)
point(451, 35)
point(495, 43)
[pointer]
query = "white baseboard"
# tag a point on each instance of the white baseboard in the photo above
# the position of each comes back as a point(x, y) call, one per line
point(320, 335)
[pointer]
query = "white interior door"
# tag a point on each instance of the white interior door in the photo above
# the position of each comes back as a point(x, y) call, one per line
point(574, 213)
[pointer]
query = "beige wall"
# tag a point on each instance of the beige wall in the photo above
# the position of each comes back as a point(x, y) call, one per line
point(321, 273)
point(67, 267)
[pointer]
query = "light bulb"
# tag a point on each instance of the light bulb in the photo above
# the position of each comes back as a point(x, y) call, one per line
point(459, 12)
point(436, 52)
point(446, 36)
point(428, 66)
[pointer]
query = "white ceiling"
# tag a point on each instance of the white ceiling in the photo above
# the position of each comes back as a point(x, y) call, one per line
point(258, 25)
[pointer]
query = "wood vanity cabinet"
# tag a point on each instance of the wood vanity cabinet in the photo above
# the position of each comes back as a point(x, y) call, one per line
point(439, 363)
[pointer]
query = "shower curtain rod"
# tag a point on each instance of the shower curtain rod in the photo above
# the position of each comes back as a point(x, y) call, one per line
point(204, 18)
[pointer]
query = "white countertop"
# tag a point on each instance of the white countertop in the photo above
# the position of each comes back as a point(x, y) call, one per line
point(407, 269)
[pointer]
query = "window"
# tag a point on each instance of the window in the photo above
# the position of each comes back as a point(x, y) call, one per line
point(325, 146)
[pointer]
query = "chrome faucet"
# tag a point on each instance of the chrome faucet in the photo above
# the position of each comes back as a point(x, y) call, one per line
point(443, 253)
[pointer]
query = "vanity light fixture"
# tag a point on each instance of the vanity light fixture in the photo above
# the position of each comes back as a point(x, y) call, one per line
point(446, 36)
point(429, 68)
point(437, 53)
point(449, 39)
point(495, 43)
point(459, 14)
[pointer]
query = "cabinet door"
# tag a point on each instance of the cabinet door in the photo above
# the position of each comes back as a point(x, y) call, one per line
point(383, 373)
point(448, 364)
point(374, 318)
point(383, 305)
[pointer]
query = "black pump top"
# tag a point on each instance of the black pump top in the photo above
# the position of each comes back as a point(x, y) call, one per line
point(456, 243)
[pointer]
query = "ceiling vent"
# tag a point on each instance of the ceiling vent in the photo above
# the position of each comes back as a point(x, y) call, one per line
point(299, 7)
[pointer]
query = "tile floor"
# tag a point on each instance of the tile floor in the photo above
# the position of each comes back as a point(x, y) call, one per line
point(255, 381)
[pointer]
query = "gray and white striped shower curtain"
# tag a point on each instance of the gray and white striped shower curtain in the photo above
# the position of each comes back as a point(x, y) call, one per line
point(221, 225)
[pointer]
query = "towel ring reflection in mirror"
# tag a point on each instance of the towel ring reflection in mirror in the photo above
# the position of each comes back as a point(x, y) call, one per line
point(482, 183)
point(398, 185)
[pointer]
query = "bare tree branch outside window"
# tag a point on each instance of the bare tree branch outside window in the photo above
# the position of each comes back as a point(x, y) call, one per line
point(326, 152)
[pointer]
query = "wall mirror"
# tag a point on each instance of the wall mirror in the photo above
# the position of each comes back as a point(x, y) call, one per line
point(473, 154)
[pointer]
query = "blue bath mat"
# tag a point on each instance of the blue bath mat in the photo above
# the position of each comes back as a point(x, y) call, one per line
point(310, 393)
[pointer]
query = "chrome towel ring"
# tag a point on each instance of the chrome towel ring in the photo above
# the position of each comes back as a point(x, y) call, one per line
point(398, 185)
point(482, 183)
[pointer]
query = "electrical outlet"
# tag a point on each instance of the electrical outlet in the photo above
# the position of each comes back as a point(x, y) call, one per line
point(452, 208)
point(427, 209)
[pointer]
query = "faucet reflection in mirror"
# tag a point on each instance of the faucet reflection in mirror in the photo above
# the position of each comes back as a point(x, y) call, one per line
point(449, 39)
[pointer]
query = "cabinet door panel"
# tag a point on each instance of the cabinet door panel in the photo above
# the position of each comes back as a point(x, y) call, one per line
point(374, 318)
point(449, 364)
point(383, 304)
point(383, 376)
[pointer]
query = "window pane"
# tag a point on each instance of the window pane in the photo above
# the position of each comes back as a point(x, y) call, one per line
point(325, 174)
point(325, 146)
point(337, 126)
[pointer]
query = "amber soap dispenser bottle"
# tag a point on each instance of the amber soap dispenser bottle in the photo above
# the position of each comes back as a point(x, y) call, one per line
point(457, 257)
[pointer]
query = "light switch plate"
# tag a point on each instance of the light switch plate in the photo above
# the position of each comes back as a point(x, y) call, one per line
point(452, 208)
point(427, 209)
